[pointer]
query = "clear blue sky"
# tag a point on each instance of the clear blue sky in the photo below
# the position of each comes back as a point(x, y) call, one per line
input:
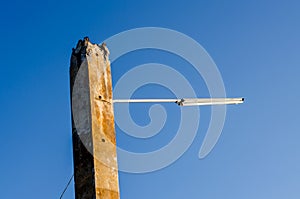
point(256, 46)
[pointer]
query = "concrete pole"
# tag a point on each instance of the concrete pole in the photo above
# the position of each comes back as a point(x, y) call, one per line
point(93, 132)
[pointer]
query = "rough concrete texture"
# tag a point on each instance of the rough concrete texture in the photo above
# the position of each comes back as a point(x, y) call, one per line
point(96, 176)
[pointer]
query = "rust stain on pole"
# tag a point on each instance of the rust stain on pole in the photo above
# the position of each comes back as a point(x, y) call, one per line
point(94, 141)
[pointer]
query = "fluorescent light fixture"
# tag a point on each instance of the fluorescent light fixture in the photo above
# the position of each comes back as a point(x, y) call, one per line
point(186, 101)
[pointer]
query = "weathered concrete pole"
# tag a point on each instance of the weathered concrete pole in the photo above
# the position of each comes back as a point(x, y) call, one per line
point(93, 132)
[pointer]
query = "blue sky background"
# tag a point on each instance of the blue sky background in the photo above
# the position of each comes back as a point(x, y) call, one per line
point(256, 46)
